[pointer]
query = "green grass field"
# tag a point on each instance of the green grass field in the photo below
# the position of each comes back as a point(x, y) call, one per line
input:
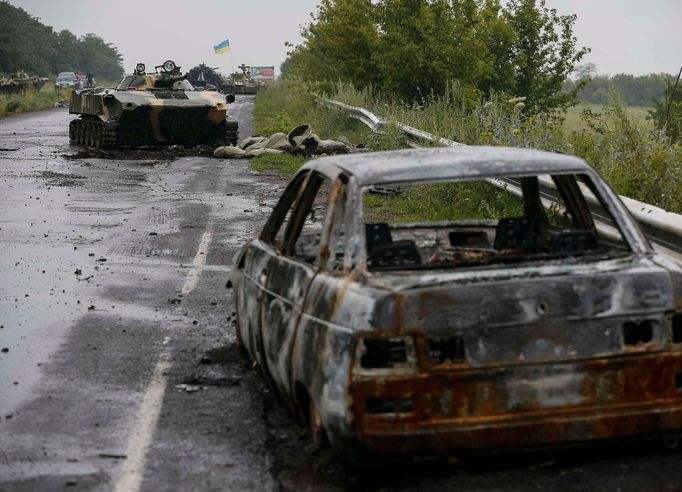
point(573, 122)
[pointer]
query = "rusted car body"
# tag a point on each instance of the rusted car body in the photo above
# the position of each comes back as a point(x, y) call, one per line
point(154, 109)
point(462, 335)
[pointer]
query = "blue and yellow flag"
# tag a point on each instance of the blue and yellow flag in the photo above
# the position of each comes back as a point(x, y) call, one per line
point(223, 47)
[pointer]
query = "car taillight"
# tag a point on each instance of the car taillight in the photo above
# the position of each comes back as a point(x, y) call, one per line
point(386, 352)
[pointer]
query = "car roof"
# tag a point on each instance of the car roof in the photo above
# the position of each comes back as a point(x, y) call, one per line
point(443, 163)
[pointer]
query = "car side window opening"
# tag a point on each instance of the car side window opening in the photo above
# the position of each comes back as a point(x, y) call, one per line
point(474, 223)
point(305, 228)
point(273, 232)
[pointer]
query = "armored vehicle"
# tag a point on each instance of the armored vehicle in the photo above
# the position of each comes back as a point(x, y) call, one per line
point(160, 108)
point(21, 81)
point(241, 82)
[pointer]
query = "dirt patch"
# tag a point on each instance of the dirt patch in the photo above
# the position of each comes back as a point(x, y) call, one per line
point(61, 179)
point(143, 154)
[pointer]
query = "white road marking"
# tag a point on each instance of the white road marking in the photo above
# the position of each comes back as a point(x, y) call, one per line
point(130, 477)
point(199, 261)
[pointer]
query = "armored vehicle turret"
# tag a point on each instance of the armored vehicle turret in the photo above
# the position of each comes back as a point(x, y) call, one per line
point(151, 109)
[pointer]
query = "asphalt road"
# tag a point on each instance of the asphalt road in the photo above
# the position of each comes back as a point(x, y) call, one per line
point(121, 371)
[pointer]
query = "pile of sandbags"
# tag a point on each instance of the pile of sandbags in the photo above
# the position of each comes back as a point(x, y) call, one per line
point(299, 141)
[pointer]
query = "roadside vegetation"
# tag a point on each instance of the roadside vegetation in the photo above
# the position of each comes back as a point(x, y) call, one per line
point(637, 159)
point(480, 73)
point(32, 100)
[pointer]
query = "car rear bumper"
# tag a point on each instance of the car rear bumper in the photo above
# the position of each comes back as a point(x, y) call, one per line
point(536, 405)
point(558, 430)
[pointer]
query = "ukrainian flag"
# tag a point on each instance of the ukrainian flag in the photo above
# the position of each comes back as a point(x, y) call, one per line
point(223, 47)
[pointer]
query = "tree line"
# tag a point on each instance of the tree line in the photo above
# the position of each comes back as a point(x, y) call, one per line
point(412, 49)
point(27, 44)
point(641, 90)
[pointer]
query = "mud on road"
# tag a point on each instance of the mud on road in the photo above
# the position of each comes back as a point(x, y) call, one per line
point(121, 371)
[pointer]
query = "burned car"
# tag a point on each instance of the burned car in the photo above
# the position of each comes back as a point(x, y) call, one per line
point(438, 301)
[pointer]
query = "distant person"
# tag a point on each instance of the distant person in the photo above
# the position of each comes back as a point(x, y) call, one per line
point(89, 81)
point(77, 83)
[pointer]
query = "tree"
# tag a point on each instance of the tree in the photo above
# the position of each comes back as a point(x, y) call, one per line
point(544, 56)
point(667, 112)
point(99, 58)
point(585, 71)
point(415, 51)
point(27, 44)
point(203, 74)
point(415, 48)
point(339, 43)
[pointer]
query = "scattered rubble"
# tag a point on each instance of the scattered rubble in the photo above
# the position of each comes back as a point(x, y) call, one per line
point(150, 153)
point(299, 141)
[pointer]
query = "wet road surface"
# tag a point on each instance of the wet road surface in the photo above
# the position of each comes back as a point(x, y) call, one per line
point(121, 371)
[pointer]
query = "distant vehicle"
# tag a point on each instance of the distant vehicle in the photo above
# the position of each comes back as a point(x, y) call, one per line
point(245, 82)
point(498, 320)
point(66, 79)
point(21, 81)
point(160, 108)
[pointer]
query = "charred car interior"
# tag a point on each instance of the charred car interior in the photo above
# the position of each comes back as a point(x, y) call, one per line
point(434, 301)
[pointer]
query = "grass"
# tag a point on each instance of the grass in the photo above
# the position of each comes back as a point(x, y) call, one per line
point(32, 100)
point(574, 122)
point(638, 161)
point(443, 202)
point(290, 103)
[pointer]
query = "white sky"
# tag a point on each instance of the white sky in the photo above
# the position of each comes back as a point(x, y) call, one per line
point(631, 36)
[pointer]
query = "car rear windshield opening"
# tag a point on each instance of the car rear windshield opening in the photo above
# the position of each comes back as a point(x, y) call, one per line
point(474, 223)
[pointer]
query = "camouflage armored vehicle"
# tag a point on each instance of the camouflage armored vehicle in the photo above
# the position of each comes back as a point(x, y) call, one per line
point(21, 81)
point(160, 108)
point(241, 82)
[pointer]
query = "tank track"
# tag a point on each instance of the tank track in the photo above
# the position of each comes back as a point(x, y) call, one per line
point(91, 133)
point(232, 137)
point(231, 132)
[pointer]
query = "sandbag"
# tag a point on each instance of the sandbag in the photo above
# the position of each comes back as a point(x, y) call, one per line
point(228, 152)
point(249, 141)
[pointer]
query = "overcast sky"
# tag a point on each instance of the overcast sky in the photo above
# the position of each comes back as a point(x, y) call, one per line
point(631, 36)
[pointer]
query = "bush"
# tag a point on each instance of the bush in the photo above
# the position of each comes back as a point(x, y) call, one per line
point(638, 161)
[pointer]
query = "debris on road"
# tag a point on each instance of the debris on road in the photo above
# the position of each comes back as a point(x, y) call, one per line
point(188, 388)
point(151, 154)
point(113, 456)
point(299, 141)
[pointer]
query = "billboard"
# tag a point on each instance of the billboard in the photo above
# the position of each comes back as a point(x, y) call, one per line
point(263, 73)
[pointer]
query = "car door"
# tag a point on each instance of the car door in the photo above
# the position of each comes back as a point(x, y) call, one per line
point(290, 274)
point(253, 264)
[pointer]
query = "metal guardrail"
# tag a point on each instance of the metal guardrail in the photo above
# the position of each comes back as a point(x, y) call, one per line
point(664, 229)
